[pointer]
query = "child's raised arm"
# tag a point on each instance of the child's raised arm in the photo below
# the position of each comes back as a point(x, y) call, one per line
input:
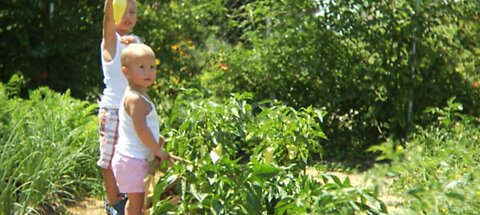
point(109, 39)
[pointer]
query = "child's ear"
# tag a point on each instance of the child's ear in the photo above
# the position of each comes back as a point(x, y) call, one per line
point(125, 71)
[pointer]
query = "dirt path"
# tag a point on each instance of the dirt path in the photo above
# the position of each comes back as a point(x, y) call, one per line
point(90, 206)
point(95, 206)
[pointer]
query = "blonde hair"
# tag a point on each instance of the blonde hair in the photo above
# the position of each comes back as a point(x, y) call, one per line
point(134, 2)
point(134, 51)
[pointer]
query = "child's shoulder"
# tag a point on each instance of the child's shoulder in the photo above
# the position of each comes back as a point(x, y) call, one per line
point(135, 104)
point(132, 96)
point(135, 98)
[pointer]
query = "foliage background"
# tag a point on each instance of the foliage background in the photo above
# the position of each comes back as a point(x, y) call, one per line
point(374, 66)
point(52, 43)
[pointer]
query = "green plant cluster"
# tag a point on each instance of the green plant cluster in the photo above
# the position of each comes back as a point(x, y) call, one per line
point(436, 172)
point(198, 124)
point(47, 145)
point(226, 142)
point(227, 187)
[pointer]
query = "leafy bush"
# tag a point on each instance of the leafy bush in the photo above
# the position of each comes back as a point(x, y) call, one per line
point(197, 125)
point(226, 140)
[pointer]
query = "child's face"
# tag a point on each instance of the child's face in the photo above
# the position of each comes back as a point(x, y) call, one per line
point(129, 19)
point(142, 71)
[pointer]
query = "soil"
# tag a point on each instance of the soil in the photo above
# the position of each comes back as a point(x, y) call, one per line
point(90, 206)
point(95, 206)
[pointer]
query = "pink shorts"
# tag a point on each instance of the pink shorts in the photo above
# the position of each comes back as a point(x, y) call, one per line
point(108, 122)
point(130, 173)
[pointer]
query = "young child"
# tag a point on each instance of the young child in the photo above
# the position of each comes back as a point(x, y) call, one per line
point(114, 40)
point(138, 127)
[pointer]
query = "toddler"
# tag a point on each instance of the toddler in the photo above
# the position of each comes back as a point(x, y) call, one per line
point(138, 127)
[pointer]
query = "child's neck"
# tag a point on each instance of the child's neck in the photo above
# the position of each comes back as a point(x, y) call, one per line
point(122, 33)
point(141, 90)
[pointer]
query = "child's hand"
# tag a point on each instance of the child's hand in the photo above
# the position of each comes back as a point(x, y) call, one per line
point(161, 142)
point(153, 165)
point(128, 39)
point(162, 155)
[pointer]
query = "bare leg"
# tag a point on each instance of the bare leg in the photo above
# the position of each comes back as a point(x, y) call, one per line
point(134, 204)
point(113, 194)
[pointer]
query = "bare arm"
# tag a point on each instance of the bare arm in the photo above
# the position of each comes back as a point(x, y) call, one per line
point(138, 110)
point(109, 38)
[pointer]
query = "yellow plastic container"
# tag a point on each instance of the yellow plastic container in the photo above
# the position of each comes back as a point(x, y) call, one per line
point(119, 7)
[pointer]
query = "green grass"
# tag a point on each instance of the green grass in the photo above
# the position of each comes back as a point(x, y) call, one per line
point(48, 146)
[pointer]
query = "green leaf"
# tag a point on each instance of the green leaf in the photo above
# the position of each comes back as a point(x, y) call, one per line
point(162, 207)
point(336, 179)
point(251, 203)
point(455, 195)
point(346, 182)
point(284, 205)
point(199, 196)
point(162, 185)
point(264, 171)
point(416, 192)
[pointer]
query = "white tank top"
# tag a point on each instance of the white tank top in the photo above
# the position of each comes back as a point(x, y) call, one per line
point(129, 144)
point(115, 82)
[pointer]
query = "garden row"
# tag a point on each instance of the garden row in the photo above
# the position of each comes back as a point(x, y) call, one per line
point(49, 148)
